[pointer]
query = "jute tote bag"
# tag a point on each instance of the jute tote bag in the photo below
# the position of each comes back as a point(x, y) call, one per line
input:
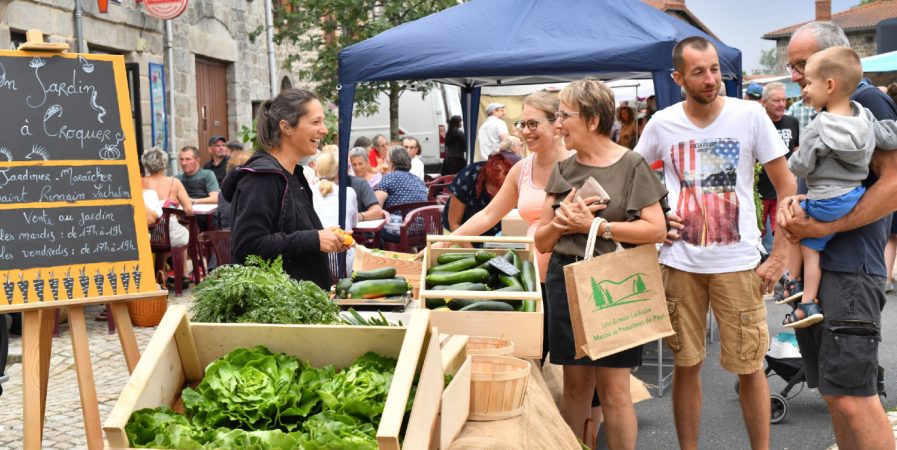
point(616, 300)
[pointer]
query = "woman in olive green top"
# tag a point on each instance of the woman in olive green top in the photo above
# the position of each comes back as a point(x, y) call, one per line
point(633, 216)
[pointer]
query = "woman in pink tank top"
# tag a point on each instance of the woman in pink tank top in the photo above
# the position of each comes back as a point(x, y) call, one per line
point(524, 186)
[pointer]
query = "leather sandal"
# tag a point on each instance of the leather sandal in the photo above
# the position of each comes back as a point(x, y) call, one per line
point(795, 290)
point(811, 312)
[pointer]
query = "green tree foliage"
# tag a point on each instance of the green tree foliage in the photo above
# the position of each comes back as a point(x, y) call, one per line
point(767, 61)
point(321, 28)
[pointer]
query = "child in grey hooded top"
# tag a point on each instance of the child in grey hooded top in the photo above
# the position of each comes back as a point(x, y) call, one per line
point(834, 155)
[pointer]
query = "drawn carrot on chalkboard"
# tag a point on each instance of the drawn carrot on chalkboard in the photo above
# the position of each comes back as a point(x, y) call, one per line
point(69, 283)
point(23, 287)
point(38, 152)
point(54, 286)
point(8, 288)
point(137, 276)
point(98, 280)
point(39, 287)
point(36, 64)
point(113, 280)
point(85, 66)
point(125, 278)
point(84, 280)
point(5, 154)
point(96, 107)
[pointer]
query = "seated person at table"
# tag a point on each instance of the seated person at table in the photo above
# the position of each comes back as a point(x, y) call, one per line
point(359, 164)
point(237, 159)
point(473, 189)
point(201, 184)
point(398, 187)
point(170, 193)
point(219, 153)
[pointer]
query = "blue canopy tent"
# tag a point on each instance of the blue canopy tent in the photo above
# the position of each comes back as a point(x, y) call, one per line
point(502, 42)
point(885, 62)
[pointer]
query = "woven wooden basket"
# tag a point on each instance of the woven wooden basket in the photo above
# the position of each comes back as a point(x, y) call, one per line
point(149, 312)
point(485, 345)
point(497, 387)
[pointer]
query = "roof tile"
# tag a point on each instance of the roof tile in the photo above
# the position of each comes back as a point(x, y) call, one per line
point(862, 17)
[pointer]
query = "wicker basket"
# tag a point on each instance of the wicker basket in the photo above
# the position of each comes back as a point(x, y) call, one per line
point(484, 345)
point(148, 312)
point(497, 387)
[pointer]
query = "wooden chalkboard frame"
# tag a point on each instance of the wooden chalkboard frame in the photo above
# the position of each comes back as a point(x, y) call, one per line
point(38, 316)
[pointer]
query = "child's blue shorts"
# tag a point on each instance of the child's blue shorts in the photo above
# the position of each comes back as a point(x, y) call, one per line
point(827, 210)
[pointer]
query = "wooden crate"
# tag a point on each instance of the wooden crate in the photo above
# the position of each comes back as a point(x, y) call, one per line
point(404, 263)
point(523, 328)
point(180, 350)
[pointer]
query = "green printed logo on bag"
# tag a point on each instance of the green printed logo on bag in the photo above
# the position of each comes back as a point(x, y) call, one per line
point(608, 293)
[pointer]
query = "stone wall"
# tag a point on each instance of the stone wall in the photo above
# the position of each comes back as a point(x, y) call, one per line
point(217, 30)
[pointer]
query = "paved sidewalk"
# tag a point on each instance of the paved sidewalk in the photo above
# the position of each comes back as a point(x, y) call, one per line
point(63, 427)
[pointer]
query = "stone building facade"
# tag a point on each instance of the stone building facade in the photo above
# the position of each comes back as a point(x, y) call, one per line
point(210, 37)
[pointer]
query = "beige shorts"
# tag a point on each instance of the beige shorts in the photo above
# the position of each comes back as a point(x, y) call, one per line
point(739, 310)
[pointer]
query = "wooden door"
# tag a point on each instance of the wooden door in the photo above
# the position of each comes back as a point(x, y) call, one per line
point(211, 102)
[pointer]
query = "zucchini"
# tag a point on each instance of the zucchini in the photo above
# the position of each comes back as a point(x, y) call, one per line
point(528, 275)
point(433, 303)
point(378, 288)
point(342, 287)
point(446, 258)
point(513, 258)
point(487, 305)
point(461, 287)
point(455, 266)
point(457, 303)
point(470, 275)
point(376, 274)
point(510, 289)
point(484, 256)
point(510, 281)
point(527, 306)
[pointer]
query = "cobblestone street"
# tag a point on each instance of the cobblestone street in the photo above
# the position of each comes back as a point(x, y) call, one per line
point(63, 427)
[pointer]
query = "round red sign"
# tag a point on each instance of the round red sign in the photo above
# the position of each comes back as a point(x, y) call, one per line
point(165, 9)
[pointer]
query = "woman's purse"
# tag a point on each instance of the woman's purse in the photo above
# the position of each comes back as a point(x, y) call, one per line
point(616, 300)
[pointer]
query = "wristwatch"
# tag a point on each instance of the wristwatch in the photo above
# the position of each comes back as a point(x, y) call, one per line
point(607, 233)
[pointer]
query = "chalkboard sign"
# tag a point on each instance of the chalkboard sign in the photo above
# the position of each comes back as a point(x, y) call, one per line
point(72, 220)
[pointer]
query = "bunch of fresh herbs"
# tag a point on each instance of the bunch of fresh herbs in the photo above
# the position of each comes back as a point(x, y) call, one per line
point(261, 292)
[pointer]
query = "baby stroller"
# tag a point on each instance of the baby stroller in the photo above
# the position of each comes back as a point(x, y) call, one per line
point(784, 360)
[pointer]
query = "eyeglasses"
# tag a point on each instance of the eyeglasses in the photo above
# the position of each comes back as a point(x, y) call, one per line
point(532, 124)
point(564, 115)
point(799, 67)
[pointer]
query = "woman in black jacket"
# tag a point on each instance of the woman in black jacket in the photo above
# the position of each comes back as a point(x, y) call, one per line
point(273, 214)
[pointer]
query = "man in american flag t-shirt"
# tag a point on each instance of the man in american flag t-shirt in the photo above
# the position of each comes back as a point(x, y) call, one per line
point(708, 145)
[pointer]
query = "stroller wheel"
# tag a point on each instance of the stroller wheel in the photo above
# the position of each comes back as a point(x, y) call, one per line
point(737, 386)
point(779, 407)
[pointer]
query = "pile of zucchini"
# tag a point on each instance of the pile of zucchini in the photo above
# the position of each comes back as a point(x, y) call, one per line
point(471, 271)
point(381, 282)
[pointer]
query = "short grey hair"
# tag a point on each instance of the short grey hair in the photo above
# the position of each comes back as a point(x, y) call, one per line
point(827, 34)
point(377, 137)
point(399, 158)
point(154, 161)
point(768, 88)
point(358, 152)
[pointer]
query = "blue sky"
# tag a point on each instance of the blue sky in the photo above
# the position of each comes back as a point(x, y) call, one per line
point(741, 24)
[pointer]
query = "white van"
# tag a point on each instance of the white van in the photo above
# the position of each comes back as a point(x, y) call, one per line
point(420, 116)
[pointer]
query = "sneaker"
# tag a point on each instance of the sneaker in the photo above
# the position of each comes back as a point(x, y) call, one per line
point(794, 290)
point(889, 287)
